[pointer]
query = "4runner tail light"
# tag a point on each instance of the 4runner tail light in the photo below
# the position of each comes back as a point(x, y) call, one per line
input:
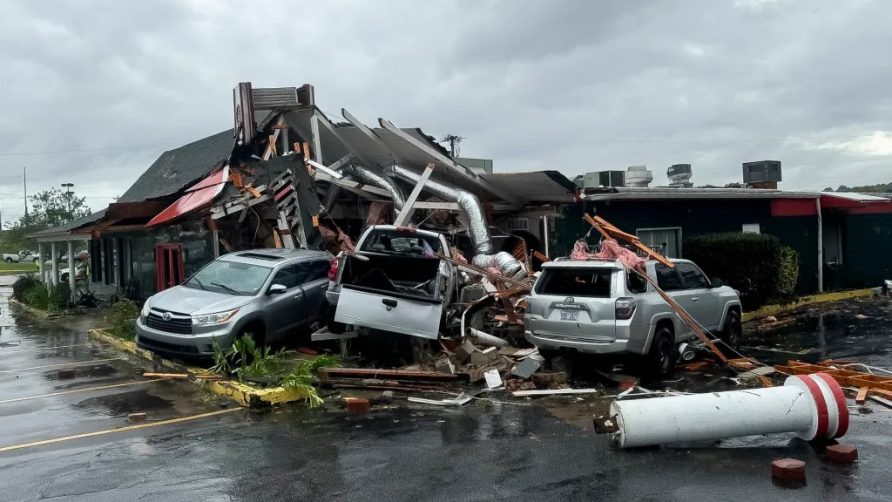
point(625, 307)
point(333, 269)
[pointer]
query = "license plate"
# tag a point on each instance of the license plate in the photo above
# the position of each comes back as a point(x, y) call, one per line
point(569, 315)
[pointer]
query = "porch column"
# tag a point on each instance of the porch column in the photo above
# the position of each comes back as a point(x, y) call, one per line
point(40, 261)
point(820, 246)
point(71, 271)
point(54, 265)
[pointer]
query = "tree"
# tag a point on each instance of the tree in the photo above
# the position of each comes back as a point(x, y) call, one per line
point(49, 208)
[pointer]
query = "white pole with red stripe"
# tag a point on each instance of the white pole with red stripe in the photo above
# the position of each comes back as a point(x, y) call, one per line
point(810, 406)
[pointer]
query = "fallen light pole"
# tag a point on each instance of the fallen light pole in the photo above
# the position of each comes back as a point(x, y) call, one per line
point(811, 406)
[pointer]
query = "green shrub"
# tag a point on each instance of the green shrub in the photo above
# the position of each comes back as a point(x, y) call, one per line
point(22, 284)
point(757, 265)
point(36, 296)
point(59, 297)
point(121, 319)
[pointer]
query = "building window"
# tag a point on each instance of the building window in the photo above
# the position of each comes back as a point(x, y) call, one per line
point(664, 240)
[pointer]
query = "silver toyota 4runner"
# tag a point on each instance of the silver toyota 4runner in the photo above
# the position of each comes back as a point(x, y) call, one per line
point(599, 307)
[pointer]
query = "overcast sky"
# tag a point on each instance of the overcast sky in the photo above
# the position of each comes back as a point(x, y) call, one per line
point(94, 91)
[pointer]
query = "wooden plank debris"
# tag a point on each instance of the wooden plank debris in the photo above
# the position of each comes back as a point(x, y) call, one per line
point(409, 207)
point(552, 392)
point(386, 373)
point(861, 397)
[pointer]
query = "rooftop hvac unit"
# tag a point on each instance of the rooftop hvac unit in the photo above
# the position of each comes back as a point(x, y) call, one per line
point(604, 179)
point(762, 171)
point(638, 176)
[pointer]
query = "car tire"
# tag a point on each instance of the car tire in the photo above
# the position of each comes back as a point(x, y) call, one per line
point(662, 356)
point(9, 260)
point(732, 334)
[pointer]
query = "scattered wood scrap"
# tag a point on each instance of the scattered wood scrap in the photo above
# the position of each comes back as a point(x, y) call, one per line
point(183, 376)
point(552, 392)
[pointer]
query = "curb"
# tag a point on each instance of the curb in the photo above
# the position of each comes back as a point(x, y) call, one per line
point(43, 314)
point(244, 395)
point(768, 310)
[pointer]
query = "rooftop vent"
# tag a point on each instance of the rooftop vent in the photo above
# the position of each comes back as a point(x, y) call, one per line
point(638, 176)
point(680, 176)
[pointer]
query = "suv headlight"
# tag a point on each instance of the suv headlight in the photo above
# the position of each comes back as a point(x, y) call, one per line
point(145, 310)
point(209, 319)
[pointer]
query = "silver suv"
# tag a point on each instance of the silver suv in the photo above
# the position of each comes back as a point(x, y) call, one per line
point(598, 307)
point(268, 294)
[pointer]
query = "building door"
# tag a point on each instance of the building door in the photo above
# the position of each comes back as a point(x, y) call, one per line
point(170, 268)
point(664, 240)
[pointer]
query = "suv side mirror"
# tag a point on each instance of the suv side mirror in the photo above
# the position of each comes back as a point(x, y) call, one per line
point(716, 282)
point(276, 289)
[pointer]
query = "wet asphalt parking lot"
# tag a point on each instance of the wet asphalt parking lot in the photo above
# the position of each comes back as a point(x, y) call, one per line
point(490, 449)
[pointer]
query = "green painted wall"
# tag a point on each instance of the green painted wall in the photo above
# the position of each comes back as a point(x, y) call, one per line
point(697, 217)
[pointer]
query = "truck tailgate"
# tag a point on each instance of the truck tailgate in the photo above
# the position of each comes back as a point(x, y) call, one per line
point(389, 313)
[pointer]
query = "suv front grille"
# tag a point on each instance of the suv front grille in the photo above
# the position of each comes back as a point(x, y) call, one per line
point(178, 325)
point(172, 348)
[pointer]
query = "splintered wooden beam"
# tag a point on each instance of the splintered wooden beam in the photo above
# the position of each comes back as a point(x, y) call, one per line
point(685, 317)
point(611, 232)
point(409, 207)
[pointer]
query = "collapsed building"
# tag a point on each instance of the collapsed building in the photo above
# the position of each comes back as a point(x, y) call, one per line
point(288, 175)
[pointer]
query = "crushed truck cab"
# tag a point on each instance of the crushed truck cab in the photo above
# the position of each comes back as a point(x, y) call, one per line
point(394, 282)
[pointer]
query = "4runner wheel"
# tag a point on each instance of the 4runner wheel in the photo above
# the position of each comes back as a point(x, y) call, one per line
point(732, 333)
point(661, 358)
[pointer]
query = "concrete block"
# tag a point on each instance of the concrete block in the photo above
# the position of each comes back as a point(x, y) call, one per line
point(358, 405)
point(464, 351)
point(788, 469)
point(842, 453)
point(550, 379)
point(526, 368)
point(485, 357)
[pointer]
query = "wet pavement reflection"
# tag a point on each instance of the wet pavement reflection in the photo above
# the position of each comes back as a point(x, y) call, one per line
point(493, 448)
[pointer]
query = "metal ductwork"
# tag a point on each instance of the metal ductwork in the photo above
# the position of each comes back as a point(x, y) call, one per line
point(367, 176)
point(506, 263)
point(468, 202)
point(477, 228)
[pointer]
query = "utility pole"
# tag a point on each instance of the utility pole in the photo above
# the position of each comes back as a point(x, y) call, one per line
point(68, 195)
point(453, 141)
point(25, 183)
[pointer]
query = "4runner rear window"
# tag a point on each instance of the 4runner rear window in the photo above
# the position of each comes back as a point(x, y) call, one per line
point(585, 282)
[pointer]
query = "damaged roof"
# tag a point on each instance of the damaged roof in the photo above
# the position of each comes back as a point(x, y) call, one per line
point(537, 186)
point(68, 228)
point(176, 169)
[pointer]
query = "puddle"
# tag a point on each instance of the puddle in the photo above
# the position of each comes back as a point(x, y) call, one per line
point(124, 403)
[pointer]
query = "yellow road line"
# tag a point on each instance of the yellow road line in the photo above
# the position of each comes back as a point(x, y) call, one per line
point(73, 364)
point(119, 429)
point(73, 391)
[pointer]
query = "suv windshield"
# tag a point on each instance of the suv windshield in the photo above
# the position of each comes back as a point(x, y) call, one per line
point(230, 277)
point(585, 282)
point(402, 243)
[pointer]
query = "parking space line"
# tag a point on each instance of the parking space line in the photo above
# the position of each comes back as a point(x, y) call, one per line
point(119, 429)
point(73, 391)
point(74, 364)
point(38, 349)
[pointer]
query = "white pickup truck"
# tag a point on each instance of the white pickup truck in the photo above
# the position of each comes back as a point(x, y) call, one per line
point(393, 282)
